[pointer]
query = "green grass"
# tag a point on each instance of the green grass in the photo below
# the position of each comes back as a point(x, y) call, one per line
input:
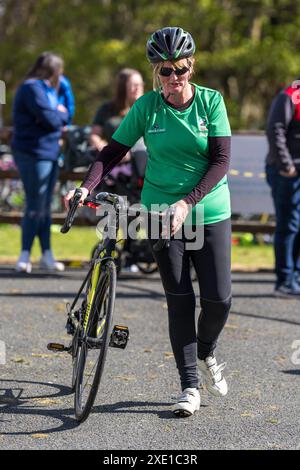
point(78, 244)
point(252, 257)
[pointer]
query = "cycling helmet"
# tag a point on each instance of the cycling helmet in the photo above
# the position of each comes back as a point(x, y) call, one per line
point(170, 44)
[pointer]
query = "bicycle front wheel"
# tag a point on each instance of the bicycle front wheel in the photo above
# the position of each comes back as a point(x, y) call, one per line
point(95, 341)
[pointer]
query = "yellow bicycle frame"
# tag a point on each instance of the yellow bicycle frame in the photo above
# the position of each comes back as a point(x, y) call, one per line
point(92, 291)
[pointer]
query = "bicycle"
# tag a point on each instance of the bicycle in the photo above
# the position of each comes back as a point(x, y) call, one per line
point(89, 320)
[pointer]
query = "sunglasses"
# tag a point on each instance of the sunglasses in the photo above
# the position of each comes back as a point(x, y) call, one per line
point(167, 71)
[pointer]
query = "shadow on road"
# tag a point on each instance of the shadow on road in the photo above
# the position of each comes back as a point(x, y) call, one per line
point(132, 407)
point(73, 273)
point(139, 293)
point(291, 372)
point(64, 295)
point(262, 317)
point(13, 402)
point(10, 273)
point(237, 280)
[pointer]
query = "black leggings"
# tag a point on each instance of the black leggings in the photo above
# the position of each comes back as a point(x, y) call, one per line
point(212, 266)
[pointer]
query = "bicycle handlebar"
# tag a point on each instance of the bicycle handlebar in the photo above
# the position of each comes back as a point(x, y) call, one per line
point(118, 202)
point(113, 199)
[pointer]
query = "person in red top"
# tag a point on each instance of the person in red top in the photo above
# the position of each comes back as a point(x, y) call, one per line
point(282, 170)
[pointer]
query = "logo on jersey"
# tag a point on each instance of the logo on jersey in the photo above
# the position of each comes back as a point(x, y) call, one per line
point(203, 124)
point(156, 129)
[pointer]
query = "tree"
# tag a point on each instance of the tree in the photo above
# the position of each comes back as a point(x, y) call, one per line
point(246, 49)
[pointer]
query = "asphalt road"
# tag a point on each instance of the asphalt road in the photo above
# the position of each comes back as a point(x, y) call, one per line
point(250, 193)
point(259, 345)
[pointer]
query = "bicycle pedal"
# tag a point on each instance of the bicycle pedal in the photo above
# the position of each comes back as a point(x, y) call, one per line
point(119, 337)
point(57, 347)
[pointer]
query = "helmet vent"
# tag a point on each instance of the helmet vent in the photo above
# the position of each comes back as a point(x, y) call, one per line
point(168, 40)
point(180, 44)
point(158, 49)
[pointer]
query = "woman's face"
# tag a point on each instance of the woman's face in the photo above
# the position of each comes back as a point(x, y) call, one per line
point(175, 84)
point(134, 88)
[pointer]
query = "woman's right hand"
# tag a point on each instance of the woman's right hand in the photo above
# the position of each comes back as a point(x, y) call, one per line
point(291, 173)
point(70, 196)
point(97, 142)
point(61, 108)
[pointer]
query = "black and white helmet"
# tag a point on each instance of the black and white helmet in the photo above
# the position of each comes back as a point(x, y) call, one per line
point(170, 44)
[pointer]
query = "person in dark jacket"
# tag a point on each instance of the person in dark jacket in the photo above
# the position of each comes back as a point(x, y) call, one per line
point(128, 88)
point(38, 118)
point(283, 176)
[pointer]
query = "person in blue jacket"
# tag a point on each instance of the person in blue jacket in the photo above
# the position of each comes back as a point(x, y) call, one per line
point(66, 96)
point(38, 119)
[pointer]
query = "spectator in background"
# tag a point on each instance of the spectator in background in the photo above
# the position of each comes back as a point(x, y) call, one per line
point(129, 87)
point(38, 119)
point(282, 170)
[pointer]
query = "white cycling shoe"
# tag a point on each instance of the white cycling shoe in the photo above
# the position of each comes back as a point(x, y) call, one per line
point(133, 268)
point(22, 267)
point(187, 403)
point(48, 262)
point(23, 264)
point(212, 376)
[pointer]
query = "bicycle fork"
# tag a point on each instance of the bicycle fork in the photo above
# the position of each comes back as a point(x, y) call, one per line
point(120, 333)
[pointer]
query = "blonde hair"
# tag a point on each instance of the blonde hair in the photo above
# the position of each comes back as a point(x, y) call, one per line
point(178, 63)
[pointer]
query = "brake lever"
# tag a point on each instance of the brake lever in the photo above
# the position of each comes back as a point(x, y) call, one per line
point(72, 210)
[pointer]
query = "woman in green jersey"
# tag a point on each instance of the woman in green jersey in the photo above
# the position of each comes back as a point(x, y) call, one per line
point(187, 134)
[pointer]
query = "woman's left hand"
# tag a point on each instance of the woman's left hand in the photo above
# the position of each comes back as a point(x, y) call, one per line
point(180, 214)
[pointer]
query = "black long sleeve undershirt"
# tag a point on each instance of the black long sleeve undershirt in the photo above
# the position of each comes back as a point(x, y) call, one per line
point(106, 160)
point(219, 158)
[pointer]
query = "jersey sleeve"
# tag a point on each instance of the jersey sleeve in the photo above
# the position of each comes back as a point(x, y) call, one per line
point(132, 126)
point(218, 123)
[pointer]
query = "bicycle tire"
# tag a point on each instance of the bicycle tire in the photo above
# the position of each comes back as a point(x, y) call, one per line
point(75, 357)
point(101, 311)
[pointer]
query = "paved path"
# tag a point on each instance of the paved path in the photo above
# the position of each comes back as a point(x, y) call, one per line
point(132, 408)
point(249, 191)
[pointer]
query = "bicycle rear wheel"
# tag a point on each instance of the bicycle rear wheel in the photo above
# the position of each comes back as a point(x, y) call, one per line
point(95, 341)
